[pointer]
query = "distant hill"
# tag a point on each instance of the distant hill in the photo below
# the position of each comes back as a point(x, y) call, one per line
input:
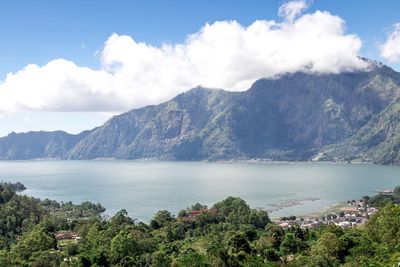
point(35, 145)
point(299, 116)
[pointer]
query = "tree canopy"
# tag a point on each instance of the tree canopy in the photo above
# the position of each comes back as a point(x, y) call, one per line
point(230, 233)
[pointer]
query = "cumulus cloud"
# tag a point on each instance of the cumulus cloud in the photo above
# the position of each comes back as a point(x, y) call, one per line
point(224, 54)
point(391, 48)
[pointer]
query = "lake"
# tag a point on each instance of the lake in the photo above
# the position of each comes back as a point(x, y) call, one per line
point(143, 188)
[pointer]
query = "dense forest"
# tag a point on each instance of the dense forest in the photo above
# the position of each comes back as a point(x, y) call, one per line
point(44, 233)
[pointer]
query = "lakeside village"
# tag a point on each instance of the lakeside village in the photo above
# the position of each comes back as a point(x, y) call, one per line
point(353, 213)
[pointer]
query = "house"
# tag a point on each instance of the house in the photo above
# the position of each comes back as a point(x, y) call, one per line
point(344, 224)
point(67, 235)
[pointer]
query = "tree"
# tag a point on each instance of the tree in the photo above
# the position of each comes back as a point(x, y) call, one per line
point(327, 248)
point(160, 259)
point(238, 243)
point(191, 258)
point(176, 231)
point(238, 248)
point(123, 245)
point(198, 206)
point(6, 193)
point(37, 240)
point(234, 209)
point(396, 190)
point(290, 244)
point(182, 213)
point(384, 227)
point(271, 254)
point(217, 251)
point(162, 218)
point(275, 235)
point(259, 218)
point(48, 258)
point(121, 218)
point(7, 259)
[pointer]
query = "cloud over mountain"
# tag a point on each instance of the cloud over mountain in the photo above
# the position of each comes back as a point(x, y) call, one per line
point(224, 54)
point(390, 50)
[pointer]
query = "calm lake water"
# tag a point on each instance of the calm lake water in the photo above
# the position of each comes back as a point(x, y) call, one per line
point(143, 188)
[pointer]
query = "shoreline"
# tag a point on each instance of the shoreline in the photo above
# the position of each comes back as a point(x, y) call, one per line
point(248, 161)
point(333, 208)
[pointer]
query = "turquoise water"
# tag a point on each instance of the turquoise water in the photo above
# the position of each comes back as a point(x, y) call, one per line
point(143, 188)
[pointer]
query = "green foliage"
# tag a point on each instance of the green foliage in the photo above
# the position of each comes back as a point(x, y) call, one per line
point(121, 218)
point(231, 234)
point(38, 240)
point(326, 250)
point(384, 227)
point(381, 200)
point(275, 235)
point(17, 186)
point(290, 244)
point(123, 245)
point(237, 212)
point(182, 213)
point(18, 214)
point(259, 218)
point(162, 218)
point(234, 208)
point(198, 206)
point(191, 258)
point(48, 258)
point(160, 259)
point(238, 244)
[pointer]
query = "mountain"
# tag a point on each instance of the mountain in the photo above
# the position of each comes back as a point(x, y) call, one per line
point(377, 142)
point(34, 145)
point(298, 116)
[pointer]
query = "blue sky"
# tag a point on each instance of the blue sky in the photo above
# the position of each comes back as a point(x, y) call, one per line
point(37, 32)
point(41, 30)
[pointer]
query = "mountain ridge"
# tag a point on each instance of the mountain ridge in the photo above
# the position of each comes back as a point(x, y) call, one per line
point(293, 117)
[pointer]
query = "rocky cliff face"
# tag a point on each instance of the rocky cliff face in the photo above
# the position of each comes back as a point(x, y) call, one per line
point(292, 117)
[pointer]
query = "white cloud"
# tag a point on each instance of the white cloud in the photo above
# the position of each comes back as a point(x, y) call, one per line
point(391, 48)
point(224, 54)
point(291, 10)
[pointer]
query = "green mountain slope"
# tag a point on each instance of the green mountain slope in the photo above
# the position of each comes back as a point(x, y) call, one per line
point(288, 118)
point(377, 142)
point(295, 116)
point(34, 145)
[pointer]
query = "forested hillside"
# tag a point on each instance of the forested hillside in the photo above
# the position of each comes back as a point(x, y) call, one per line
point(230, 233)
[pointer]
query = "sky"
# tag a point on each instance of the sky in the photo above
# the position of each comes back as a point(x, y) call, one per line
point(71, 65)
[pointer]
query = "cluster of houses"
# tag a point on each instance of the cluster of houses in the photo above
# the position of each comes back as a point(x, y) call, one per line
point(353, 214)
